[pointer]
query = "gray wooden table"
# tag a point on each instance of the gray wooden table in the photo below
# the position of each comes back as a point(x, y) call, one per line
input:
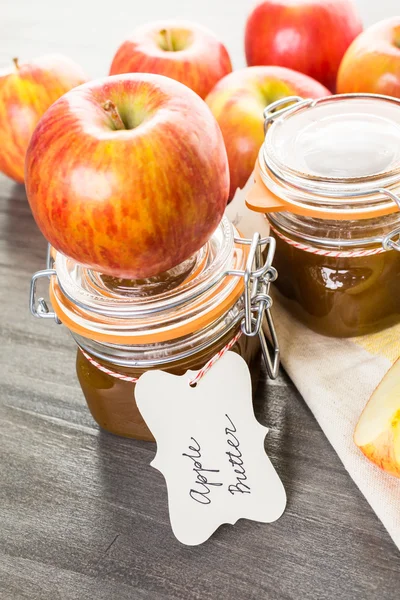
point(82, 515)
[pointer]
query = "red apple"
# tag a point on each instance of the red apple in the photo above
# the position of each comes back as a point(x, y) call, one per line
point(372, 62)
point(238, 102)
point(310, 36)
point(378, 431)
point(128, 175)
point(26, 92)
point(181, 50)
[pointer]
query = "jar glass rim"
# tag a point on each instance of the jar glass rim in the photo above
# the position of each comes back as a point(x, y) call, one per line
point(169, 351)
point(355, 235)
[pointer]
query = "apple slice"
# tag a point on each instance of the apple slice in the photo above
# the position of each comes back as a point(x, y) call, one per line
point(378, 431)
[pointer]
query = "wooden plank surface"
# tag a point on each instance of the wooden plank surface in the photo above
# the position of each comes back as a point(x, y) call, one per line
point(82, 514)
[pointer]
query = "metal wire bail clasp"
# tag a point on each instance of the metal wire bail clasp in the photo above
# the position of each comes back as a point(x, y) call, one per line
point(258, 275)
point(392, 240)
point(39, 307)
point(282, 106)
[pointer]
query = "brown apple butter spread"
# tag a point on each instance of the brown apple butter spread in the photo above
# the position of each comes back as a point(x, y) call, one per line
point(339, 297)
point(112, 401)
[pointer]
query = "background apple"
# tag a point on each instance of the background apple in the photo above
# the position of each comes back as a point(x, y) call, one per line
point(26, 92)
point(309, 36)
point(238, 102)
point(372, 62)
point(378, 431)
point(181, 50)
point(128, 174)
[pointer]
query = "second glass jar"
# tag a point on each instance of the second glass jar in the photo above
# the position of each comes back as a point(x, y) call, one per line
point(328, 179)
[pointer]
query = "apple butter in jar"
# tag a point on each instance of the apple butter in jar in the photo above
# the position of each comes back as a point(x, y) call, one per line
point(215, 301)
point(328, 179)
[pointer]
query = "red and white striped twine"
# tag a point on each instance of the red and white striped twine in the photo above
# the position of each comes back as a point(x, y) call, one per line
point(193, 382)
point(331, 253)
point(214, 359)
point(108, 371)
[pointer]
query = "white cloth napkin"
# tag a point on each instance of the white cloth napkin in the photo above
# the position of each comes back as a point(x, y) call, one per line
point(336, 377)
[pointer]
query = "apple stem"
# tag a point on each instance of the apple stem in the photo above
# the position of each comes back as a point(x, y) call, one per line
point(16, 63)
point(112, 110)
point(167, 38)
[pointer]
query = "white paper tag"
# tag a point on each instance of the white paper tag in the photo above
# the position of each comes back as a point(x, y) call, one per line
point(247, 221)
point(210, 449)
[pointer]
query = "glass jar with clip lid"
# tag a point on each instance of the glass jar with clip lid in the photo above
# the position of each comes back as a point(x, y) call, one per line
point(182, 320)
point(328, 179)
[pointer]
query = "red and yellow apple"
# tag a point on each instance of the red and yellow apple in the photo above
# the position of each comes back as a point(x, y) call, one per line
point(310, 36)
point(128, 175)
point(181, 50)
point(378, 431)
point(372, 62)
point(238, 102)
point(26, 92)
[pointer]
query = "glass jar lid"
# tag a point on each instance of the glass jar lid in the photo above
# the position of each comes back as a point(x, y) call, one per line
point(181, 301)
point(355, 139)
point(336, 157)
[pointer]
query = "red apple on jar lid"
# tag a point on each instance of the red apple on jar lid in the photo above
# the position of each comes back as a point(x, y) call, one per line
point(378, 431)
point(181, 50)
point(310, 36)
point(238, 102)
point(27, 89)
point(128, 175)
point(372, 62)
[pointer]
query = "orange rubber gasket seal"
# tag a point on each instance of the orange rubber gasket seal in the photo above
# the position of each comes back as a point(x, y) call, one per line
point(59, 300)
point(261, 199)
